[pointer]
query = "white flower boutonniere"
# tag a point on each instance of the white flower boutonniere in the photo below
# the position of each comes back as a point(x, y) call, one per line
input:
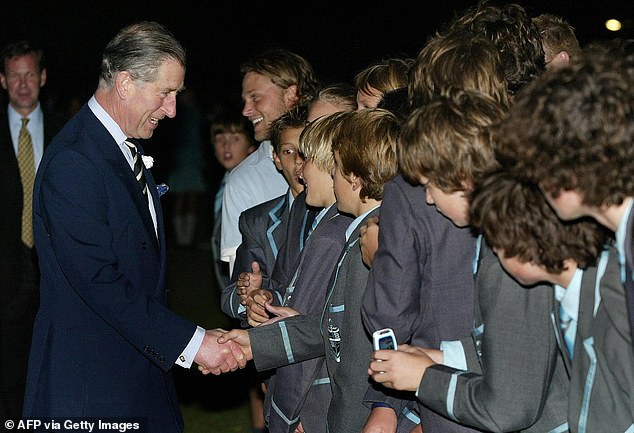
point(148, 161)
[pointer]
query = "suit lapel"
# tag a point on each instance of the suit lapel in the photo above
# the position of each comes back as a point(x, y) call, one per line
point(106, 146)
point(275, 219)
point(627, 273)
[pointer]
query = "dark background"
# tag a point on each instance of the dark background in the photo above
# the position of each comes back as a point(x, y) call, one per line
point(339, 38)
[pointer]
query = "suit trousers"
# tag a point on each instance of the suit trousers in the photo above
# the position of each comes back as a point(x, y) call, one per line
point(16, 331)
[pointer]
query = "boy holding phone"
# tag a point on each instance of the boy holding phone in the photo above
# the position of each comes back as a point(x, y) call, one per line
point(508, 376)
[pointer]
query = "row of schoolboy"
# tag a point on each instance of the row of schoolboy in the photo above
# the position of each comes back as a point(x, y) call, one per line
point(508, 318)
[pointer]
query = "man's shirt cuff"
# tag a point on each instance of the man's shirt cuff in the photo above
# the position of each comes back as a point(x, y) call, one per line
point(186, 359)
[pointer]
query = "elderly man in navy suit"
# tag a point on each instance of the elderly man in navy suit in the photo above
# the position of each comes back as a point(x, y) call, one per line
point(104, 341)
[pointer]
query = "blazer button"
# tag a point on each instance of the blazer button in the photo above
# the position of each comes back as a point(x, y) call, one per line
point(144, 245)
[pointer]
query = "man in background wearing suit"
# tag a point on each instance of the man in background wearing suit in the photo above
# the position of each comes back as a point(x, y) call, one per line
point(104, 342)
point(22, 75)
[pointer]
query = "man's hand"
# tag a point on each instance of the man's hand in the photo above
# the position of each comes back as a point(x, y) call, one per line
point(381, 420)
point(217, 358)
point(369, 240)
point(256, 309)
point(241, 338)
point(248, 282)
point(401, 369)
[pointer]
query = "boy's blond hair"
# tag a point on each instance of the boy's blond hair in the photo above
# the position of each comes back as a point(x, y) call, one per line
point(315, 141)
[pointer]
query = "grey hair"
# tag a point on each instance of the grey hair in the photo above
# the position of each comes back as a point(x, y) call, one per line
point(140, 49)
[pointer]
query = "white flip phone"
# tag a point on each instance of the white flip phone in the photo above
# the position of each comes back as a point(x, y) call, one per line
point(384, 339)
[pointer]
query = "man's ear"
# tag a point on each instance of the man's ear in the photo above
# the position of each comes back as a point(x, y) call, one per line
point(3, 81)
point(291, 97)
point(123, 84)
point(42, 77)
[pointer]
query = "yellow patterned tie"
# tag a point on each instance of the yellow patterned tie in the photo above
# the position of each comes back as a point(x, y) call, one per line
point(26, 163)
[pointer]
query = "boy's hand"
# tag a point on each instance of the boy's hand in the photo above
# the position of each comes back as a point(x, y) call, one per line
point(239, 337)
point(248, 282)
point(381, 420)
point(255, 303)
point(401, 369)
point(279, 313)
point(369, 240)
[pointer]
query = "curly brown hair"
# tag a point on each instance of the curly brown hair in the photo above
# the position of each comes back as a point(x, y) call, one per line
point(514, 34)
point(515, 217)
point(573, 129)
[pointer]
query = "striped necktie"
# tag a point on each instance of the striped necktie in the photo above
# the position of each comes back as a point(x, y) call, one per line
point(138, 167)
point(568, 327)
point(26, 164)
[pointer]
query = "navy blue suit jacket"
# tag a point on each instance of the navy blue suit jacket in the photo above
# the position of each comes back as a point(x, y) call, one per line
point(104, 341)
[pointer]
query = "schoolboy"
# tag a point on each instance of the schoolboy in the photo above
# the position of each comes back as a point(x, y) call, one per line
point(534, 245)
point(513, 33)
point(365, 154)
point(331, 99)
point(558, 40)
point(300, 393)
point(571, 133)
point(508, 376)
point(433, 300)
point(232, 141)
point(263, 227)
point(379, 78)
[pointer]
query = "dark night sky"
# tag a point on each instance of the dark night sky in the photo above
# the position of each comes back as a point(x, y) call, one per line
point(338, 38)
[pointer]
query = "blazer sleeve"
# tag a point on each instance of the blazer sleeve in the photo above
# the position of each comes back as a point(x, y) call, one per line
point(517, 356)
point(250, 250)
point(103, 262)
point(392, 293)
point(288, 341)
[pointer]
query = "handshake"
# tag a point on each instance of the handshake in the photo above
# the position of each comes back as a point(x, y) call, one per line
point(223, 351)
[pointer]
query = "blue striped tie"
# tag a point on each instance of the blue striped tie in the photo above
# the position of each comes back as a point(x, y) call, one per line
point(568, 328)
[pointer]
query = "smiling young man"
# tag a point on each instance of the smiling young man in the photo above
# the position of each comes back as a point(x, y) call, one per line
point(273, 82)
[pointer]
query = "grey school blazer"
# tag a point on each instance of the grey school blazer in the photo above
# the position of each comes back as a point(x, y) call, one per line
point(300, 392)
point(420, 285)
point(515, 378)
point(602, 378)
point(336, 332)
point(263, 229)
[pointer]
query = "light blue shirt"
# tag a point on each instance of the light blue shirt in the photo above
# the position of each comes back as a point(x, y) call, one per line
point(186, 358)
point(254, 181)
point(620, 234)
point(35, 128)
point(355, 223)
point(568, 299)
